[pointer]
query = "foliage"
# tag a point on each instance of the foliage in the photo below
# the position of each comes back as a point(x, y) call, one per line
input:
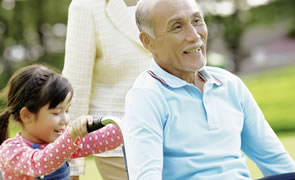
point(31, 31)
point(233, 26)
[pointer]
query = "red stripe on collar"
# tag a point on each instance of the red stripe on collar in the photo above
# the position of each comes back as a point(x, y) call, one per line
point(220, 83)
point(156, 77)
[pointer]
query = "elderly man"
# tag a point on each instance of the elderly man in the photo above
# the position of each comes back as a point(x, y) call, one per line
point(184, 120)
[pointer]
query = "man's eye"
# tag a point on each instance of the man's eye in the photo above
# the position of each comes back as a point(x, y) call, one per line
point(177, 27)
point(197, 21)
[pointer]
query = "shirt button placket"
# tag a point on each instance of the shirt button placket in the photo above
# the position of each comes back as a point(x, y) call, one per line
point(209, 113)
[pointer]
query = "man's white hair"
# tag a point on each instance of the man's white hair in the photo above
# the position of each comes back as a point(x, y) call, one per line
point(144, 20)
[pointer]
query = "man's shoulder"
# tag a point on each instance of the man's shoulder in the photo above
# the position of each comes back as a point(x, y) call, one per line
point(147, 90)
point(218, 71)
point(145, 82)
point(222, 74)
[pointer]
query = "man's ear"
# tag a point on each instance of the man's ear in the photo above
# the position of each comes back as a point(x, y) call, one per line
point(147, 41)
point(26, 115)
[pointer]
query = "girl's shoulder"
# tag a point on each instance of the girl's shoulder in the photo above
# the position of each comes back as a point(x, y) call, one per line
point(12, 147)
point(13, 140)
point(12, 143)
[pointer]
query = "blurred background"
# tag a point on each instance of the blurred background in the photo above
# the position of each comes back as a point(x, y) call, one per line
point(254, 39)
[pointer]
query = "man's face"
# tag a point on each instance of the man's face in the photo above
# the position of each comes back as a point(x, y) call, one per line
point(180, 40)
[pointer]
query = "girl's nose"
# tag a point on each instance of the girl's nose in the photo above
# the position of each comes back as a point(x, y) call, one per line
point(65, 119)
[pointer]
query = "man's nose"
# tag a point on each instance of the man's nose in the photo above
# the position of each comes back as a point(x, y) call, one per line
point(192, 34)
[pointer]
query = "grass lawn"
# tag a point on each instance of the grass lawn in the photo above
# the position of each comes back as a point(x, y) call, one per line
point(287, 139)
point(274, 93)
point(91, 170)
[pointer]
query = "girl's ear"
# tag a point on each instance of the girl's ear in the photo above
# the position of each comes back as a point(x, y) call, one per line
point(26, 115)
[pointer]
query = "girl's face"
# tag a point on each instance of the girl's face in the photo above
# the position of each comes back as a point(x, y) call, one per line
point(48, 124)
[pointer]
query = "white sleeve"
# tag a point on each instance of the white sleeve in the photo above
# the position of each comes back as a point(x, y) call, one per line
point(80, 56)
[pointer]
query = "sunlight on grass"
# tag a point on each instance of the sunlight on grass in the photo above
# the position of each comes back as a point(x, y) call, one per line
point(91, 170)
point(273, 92)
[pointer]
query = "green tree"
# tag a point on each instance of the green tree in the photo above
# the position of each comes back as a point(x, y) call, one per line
point(31, 31)
point(243, 17)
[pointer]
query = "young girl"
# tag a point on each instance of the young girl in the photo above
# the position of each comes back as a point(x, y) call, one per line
point(39, 98)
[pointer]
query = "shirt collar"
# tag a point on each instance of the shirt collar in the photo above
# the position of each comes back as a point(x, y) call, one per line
point(208, 77)
point(29, 143)
point(172, 81)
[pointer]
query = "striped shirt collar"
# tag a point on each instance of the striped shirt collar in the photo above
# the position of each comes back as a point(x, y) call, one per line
point(172, 81)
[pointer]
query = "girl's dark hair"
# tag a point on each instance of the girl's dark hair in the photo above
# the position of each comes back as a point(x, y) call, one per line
point(31, 87)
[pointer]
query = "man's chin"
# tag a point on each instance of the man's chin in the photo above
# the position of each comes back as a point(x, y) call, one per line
point(198, 67)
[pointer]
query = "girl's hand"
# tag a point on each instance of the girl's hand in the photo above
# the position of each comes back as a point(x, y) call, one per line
point(78, 126)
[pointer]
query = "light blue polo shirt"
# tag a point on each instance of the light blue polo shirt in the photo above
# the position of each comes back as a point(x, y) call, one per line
point(173, 131)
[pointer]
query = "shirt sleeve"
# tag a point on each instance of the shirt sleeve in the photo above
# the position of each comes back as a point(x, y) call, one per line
point(104, 139)
point(80, 52)
point(259, 142)
point(18, 158)
point(79, 60)
point(143, 134)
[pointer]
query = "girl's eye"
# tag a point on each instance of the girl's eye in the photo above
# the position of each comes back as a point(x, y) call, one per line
point(56, 112)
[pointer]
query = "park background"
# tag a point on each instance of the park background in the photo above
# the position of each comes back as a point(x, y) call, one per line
point(254, 39)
